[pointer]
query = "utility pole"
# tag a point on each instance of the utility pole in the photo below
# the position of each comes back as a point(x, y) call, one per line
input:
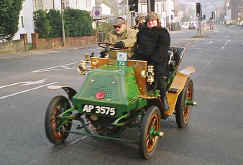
point(199, 16)
point(148, 6)
point(53, 3)
point(63, 29)
point(128, 14)
point(127, 9)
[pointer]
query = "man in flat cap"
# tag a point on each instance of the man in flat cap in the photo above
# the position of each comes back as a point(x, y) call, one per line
point(122, 36)
point(152, 45)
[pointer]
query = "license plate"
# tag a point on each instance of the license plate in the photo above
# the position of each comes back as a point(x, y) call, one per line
point(104, 110)
point(122, 56)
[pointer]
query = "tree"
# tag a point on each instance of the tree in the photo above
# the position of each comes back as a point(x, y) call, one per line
point(48, 23)
point(77, 22)
point(42, 24)
point(9, 18)
point(55, 22)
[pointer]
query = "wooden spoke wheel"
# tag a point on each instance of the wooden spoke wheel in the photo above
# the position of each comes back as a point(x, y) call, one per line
point(56, 129)
point(183, 111)
point(148, 139)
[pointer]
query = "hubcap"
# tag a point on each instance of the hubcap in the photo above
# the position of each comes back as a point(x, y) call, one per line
point(151, 139)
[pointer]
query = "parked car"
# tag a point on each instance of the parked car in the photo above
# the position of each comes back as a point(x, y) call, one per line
point(191, 26)
point(185, 25)
point(241, 23)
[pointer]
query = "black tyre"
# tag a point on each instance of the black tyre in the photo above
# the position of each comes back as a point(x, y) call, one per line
point(183, 111)
point(148, 142)
point(57, 106)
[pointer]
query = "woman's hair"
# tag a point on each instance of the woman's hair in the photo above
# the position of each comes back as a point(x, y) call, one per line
point(153, 16)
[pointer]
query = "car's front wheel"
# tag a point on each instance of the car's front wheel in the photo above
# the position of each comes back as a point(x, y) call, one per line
point(57, 129)
point(148, 138)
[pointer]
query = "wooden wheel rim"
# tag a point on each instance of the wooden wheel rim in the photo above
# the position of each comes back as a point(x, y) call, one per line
point(188, 108)
point(54, 123)
point(151, 141)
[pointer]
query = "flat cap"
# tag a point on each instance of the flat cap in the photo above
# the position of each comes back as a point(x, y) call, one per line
point(118, 21)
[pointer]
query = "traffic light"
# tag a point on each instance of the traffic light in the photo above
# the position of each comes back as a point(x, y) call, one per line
point(198, 9)
point(152, 5)
point(133, 5)
point(204, 16)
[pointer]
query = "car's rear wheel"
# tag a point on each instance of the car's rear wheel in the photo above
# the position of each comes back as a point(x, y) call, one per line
point(150, 124)
point(183, 111)
point(56, 129)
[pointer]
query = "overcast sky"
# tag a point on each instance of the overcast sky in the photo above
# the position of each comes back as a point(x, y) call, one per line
point(216, 3)
point(207, 5)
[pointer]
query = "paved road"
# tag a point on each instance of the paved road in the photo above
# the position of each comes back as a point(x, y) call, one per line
point(214, 136)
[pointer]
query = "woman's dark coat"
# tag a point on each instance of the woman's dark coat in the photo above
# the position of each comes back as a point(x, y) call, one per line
point(152, 46)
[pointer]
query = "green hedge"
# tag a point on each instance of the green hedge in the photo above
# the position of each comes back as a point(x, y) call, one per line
point(55, 23)
point(42, 23)
point(76, 23)
point(9, 17)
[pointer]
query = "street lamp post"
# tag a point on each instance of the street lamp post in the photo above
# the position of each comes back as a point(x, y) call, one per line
point(63, 29)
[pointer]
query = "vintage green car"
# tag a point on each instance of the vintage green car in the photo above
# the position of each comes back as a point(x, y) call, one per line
point(116, 95)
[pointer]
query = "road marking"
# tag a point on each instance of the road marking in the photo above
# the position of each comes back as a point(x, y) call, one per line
point(32, 162)
point(225, 44)
point(57, 67)
point(25, 91)
point(10, 85)
point(197, 48)
point(25, 83)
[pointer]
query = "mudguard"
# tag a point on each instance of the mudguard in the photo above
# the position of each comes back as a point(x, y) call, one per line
point(177, 86)
point(68, 90)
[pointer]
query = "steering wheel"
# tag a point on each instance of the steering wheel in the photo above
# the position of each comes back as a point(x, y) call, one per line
point(108, 44)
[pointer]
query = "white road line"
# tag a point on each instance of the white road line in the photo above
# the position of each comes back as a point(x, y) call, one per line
point(25, 83)
point(210, 42)
point(225, 44)
point(28, 90)
point(65, 66)
point(10, 85)
point(34, 82)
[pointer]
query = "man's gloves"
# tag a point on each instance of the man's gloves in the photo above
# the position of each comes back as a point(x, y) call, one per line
point(102, 54)
point(119, 44)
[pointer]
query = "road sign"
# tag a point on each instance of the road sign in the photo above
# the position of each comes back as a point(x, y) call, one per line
point(97, 12)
